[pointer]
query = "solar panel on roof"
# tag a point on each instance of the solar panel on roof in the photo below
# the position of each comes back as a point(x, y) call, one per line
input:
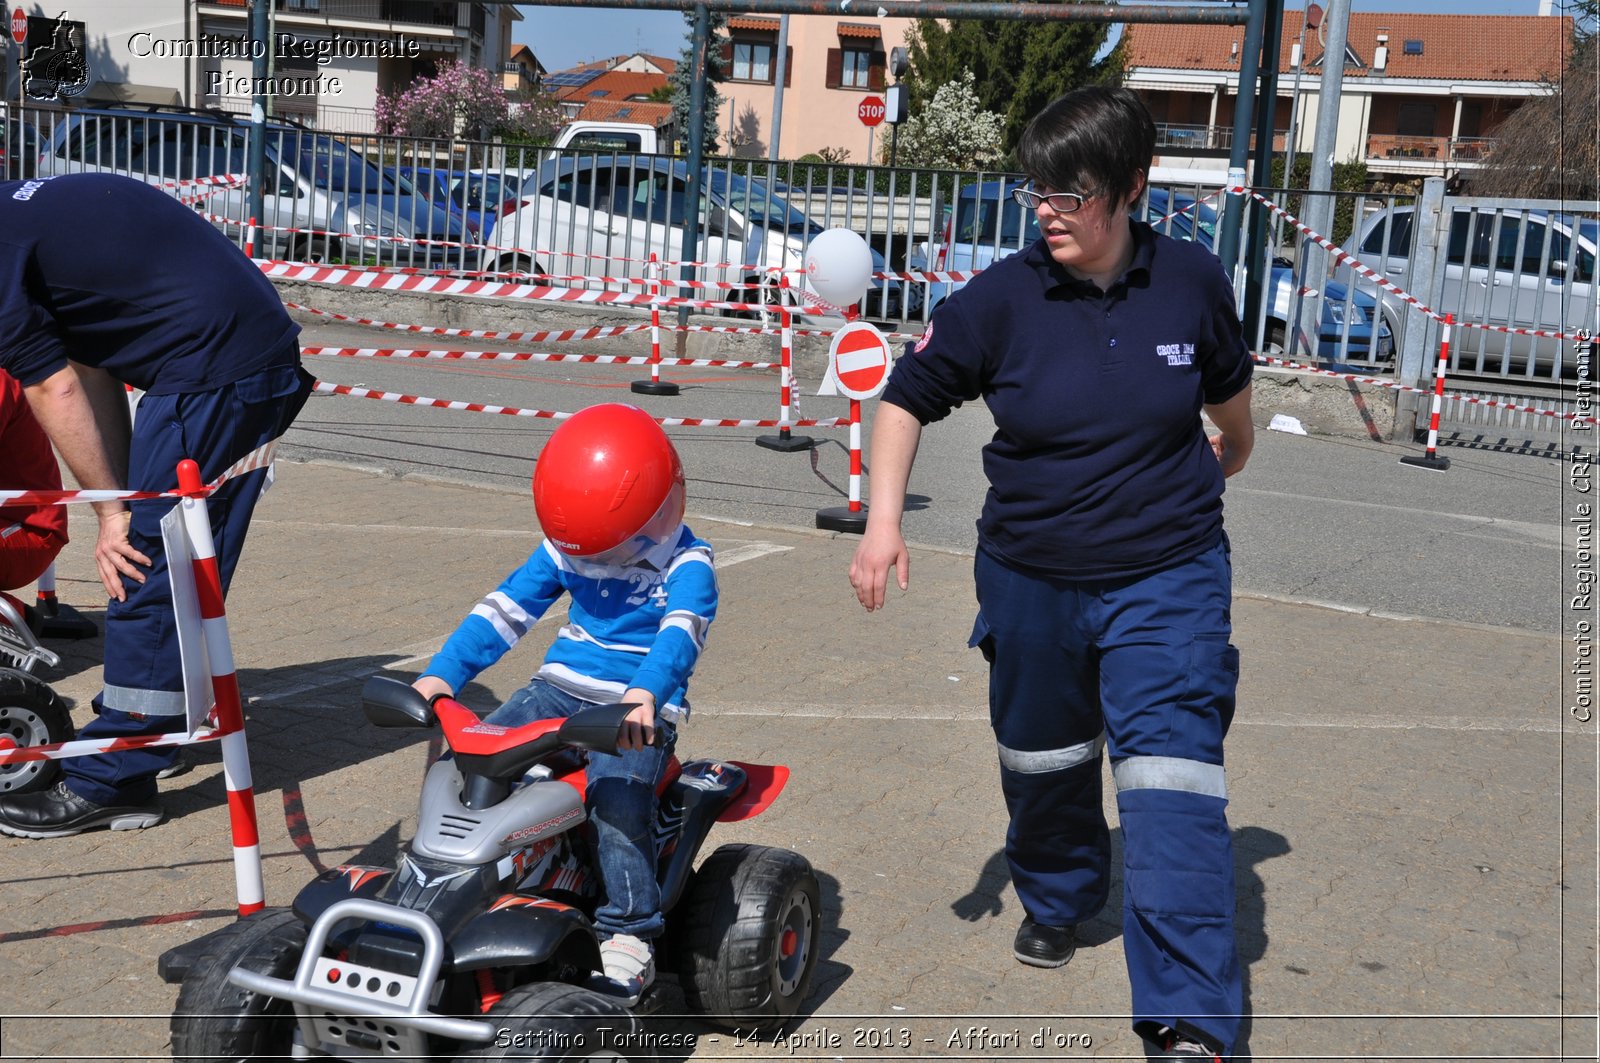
point(571, 78)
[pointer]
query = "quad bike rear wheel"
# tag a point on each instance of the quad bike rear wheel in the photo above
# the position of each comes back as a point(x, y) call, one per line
point(552, 1022)
point(217, 1020)
point(748, 937)
point(31, 714)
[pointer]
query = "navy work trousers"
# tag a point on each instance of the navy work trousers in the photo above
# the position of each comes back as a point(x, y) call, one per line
point(143, 683)
point(1141, 665)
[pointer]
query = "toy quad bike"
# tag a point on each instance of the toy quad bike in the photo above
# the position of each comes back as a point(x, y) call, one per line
point(480, 946)
point(31, 714)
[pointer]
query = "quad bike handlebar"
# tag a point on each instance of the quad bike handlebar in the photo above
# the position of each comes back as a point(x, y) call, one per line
point(492, 758)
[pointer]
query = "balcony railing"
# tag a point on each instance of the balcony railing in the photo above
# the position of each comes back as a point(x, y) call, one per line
point(415, 12)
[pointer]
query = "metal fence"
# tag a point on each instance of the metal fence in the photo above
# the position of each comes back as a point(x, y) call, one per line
point(1521, 268)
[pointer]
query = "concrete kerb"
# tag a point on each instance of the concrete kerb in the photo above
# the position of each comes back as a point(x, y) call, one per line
point(1325, 406)
point(474, 312)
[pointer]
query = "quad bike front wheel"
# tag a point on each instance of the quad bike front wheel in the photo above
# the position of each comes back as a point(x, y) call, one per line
point(552, 1022)
point(31, 714)
point(748, 937)
point(217, 1020)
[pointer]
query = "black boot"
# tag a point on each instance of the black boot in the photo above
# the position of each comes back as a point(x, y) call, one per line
point(59, 813)
point(1038, 945)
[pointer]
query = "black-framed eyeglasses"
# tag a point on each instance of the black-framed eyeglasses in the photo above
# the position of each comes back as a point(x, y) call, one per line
point(1060, 202)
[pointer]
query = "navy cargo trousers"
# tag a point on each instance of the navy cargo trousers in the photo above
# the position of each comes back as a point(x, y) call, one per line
point(1141, 667)
point(143, 691)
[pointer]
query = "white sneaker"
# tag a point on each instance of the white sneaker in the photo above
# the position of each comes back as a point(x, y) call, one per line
point(629, 963)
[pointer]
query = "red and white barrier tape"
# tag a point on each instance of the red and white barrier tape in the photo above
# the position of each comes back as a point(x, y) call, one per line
point(512, 411)
point(546, 336)
point(86, 746)
point(1343, 257)
point(571, 335)
point(1382, 382)
point(391, 280)
point(256, 459)
point(525, 356)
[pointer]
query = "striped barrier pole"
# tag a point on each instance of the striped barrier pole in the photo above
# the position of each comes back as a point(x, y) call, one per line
point(225, 688)
point(250, 240)
point(784, 441)
point(1431, 459)
point(57, 621)
point(655, 385)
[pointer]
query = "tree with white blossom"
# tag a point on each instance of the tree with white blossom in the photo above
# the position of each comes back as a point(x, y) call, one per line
point(951, 132)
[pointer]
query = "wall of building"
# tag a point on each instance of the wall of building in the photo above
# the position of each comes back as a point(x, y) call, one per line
point(814, 116)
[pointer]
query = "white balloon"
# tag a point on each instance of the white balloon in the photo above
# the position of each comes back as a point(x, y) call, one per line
point(839, 267)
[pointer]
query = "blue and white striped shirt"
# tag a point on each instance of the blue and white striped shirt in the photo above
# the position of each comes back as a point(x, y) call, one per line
point(640, 625)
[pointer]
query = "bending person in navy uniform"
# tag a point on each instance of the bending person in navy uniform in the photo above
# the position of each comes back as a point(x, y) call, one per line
point(110, 282)
point(1102, 571)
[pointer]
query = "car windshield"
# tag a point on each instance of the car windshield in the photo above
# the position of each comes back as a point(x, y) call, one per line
point(759, 203)
point(976, 219)
point(336, 168)
point(475, 191)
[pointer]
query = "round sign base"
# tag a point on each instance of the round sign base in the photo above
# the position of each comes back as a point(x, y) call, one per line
point(843, 519)
point(653, 387)
point(1426, 461)
point(785, 442)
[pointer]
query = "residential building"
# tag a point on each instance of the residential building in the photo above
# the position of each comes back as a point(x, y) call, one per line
point(1422, 94)
point(522, 73)
point(330, 58)
point(832, 65)
point(618, 89)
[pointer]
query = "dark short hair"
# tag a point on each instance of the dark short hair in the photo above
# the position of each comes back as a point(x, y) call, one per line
point(1096, 140)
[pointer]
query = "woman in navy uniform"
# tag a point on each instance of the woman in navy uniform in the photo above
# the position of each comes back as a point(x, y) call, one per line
point(1102, 570)
point(111, 282)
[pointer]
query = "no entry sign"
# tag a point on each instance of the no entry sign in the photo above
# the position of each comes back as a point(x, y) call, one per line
point(871, 111)
point(860, 357)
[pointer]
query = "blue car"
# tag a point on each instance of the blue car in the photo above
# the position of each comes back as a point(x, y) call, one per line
point(479, 197)
point(987, 224)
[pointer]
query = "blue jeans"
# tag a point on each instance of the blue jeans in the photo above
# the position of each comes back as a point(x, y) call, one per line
point(1142, 669)
point(622, 807)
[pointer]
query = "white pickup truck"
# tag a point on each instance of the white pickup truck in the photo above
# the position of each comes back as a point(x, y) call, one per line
point(631, 137)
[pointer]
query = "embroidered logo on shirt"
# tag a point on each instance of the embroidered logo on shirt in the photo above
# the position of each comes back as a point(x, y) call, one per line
point(1176, 353)
point(927, 334)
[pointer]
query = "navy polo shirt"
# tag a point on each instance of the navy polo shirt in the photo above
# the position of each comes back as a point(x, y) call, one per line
point(1099, 466)
point(115, 274)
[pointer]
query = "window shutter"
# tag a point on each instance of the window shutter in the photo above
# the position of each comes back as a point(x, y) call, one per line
point(726, 51)
point(876, 67)
point(788, 66)
point(835, 67)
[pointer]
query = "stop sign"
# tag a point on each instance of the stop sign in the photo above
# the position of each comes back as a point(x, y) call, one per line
point(19, 26)
point(871, 110)
point(860, 360)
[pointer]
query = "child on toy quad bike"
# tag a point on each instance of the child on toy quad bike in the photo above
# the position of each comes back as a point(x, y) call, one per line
point(608, 492)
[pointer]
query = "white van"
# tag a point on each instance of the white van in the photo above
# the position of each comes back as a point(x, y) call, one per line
point(1512, 268)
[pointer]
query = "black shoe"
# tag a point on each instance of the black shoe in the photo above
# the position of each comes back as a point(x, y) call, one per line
point(1038, 945)
point(1172, 1045)
point(59, 813)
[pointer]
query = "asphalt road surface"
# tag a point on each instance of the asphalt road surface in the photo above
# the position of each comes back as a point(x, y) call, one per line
point(1317, 518)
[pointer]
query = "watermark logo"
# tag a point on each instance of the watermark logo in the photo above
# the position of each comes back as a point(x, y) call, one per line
point(59, 68)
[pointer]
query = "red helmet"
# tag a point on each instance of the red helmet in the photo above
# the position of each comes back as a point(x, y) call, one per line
point(608, 475)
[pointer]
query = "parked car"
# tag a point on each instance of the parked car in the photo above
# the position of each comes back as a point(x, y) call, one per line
point(19, 148)
point(606, 214)
point(986, 224)
point(477, 196)
point(314, 182)
point(1342, 312)
point(1505, 267)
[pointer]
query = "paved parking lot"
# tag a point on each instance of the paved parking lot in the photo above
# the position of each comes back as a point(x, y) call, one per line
point(1414, 819)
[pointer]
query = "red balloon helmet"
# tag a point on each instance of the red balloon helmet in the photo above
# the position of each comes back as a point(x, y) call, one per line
point(608, 475)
